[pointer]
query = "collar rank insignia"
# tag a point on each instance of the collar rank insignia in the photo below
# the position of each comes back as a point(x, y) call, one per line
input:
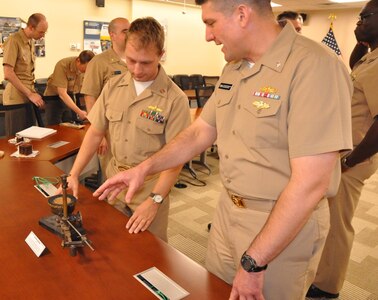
point(261, 105)
point(268, 92)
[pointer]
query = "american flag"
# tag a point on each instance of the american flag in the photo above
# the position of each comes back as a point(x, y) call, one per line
point(330, 41)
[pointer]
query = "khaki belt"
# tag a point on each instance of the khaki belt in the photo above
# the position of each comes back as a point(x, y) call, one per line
point(257, 204)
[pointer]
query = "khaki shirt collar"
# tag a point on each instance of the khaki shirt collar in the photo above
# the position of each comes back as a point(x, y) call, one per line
point(369, 57)
point(159, 86)
point(276, 56)
point(114, 58)
point(24, 37)
point(73, 67)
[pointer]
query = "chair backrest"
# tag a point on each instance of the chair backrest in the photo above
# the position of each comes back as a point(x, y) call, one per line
point(183, 81)
point(196, 80)
point(210, 80)
point(40, 85)
point(203, 94)
point(36, 110)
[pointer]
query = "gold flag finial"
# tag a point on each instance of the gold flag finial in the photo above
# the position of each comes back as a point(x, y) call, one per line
point(332, 17)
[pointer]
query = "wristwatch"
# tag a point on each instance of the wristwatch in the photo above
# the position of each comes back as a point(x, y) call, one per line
point(250, 265)
point(156, 198)
point(344, 162)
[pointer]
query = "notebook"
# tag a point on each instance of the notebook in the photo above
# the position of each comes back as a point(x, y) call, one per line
point(36, 132)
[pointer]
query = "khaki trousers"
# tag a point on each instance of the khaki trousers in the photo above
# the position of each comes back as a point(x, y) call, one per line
point(289, 275)
point(159, 225)
point(335, 258)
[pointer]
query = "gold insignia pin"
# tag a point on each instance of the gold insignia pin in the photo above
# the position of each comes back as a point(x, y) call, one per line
point(261, 105)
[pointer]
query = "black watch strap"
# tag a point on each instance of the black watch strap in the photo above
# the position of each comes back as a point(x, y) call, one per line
point(250, 265)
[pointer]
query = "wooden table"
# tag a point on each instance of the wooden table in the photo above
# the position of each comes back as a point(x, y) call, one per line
point(106, 273)
point(71, 135)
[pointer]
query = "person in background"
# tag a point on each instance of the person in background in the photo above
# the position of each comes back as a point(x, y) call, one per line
point(293, 17)
point(278, 143)
point(357, 165)
point(65, 84)
point(142, 110)
point(102, 67)
point(19, 66)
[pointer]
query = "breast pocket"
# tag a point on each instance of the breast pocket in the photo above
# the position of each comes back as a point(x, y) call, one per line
point(115, 123)
point(151, 136)
point(265, 114)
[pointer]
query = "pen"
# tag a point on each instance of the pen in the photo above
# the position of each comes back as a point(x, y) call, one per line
point(152, 287)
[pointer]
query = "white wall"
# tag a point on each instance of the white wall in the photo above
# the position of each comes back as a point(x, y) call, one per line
point(187, 50)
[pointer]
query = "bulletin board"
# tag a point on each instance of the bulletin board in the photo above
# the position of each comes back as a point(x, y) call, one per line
point(96, 36)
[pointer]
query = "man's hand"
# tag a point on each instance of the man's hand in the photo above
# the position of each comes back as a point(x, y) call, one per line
point(132, 179)
point(103, 148)
point(36, 99)
point(142, 216)
point(247, 286)
point(83, 115)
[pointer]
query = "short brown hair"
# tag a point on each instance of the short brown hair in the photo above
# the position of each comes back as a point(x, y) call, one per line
point(85, 56)
point(147, 31)
point(34, 19)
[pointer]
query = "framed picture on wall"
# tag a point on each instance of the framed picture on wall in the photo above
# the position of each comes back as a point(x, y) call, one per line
point(96, 36)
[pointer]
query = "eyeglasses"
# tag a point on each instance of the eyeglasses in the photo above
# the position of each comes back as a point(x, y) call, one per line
point(362, 17)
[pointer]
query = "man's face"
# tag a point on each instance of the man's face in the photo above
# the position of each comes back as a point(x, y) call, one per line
point(367, 26)
point(118, 36)
point(223, 30)
point(81, 67)
point(142, 63)
point(40, 30)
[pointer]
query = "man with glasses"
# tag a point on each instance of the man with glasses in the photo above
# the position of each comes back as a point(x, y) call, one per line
point(19, 65)
point(279, 126)
point(357, 165)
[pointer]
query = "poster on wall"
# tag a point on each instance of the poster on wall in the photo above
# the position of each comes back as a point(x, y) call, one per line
point(96, 36)
point(7, 27)
point(10, 25)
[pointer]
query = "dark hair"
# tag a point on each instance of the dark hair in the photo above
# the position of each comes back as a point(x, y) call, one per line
point(147, 31)
point(85, 56)
point(288, 15)
point(34, 19)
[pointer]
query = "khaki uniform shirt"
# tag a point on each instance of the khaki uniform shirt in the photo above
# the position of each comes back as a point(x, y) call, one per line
point(19, 53)
point(140, 125)
point(294, 102)
point(66, 75)
point(365, 95)
point(99, 70)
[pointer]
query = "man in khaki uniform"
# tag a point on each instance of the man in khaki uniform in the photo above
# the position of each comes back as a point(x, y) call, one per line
point(357, 165)
point(19, 64)
point(142, 110)
point(279, 128)
point(64, 84)
point(104, 66)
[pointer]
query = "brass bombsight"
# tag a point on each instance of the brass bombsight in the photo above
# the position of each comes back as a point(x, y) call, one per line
point(64, 222)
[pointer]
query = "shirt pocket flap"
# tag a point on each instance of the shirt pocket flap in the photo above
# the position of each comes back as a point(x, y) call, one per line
point(149, 126)
point(114, 115)
point(223, 98)
point(264, 108)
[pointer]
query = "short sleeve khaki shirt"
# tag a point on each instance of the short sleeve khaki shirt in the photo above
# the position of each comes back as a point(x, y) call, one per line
point(295, 101)
point(19, 54)
point(99, 70)
point(66, 75)
point(365, 95)
point(140, 125)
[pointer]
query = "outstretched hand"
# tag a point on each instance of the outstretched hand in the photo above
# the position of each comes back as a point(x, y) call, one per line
point(131, 179)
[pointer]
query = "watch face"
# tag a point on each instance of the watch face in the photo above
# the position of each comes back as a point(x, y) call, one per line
point(157, 198)
point(247, 263)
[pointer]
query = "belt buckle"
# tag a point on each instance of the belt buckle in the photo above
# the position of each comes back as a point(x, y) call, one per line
point(238, 201)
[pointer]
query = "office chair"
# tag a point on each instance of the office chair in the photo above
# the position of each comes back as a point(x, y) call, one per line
point(196, 80)
point(203, 94)
point(183, 81)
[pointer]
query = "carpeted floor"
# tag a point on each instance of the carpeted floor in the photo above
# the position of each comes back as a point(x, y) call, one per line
point(192, 209)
